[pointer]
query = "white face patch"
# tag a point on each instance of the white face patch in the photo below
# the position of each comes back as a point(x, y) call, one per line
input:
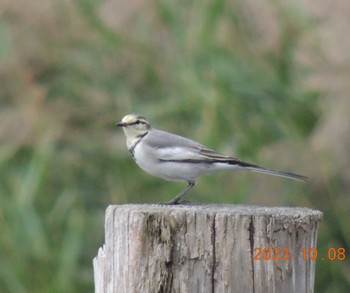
point(135, 128)
point(133, 118)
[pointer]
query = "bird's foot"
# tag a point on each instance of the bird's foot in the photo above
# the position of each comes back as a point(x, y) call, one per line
point(175, 202)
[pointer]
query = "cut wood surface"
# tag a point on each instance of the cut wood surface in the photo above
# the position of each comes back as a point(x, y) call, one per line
point(206, 248)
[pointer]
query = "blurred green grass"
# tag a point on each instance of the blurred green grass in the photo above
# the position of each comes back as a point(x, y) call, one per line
point(207, 69)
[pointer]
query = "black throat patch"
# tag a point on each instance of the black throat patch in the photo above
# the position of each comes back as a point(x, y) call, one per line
point(132, 149)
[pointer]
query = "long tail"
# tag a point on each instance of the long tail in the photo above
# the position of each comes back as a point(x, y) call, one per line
point(278, 173)
point(213, 157)
point(256, 168)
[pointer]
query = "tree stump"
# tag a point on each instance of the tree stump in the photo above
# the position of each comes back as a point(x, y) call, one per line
point(206, 248)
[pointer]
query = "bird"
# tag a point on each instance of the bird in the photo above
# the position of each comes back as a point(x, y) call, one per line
point(177, 158)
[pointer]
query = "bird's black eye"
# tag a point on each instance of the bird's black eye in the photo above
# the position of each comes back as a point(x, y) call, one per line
point(137, 122)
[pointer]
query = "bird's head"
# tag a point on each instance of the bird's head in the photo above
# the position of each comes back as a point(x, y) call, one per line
point(134, 126)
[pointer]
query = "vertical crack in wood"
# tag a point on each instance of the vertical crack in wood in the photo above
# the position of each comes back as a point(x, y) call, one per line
point(169, 262)
point(251, 241)
point(213, 242)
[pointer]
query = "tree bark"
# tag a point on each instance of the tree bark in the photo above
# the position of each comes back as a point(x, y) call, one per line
point(206, 248)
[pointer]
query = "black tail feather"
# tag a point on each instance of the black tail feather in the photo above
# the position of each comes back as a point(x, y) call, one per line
point(259, 169)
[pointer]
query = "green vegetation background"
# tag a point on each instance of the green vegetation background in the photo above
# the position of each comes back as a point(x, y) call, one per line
point(222, 72)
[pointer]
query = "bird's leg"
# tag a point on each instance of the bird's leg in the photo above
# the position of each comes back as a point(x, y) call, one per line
point(176, 199)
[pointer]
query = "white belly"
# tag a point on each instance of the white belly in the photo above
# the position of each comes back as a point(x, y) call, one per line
point(170, 170)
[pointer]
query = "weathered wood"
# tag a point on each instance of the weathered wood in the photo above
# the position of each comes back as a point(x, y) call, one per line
point(206, 248)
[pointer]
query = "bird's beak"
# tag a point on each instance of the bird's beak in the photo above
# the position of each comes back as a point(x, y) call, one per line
point(120, 124)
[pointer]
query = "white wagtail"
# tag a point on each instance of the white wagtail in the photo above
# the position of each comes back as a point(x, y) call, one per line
point(177, 158)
